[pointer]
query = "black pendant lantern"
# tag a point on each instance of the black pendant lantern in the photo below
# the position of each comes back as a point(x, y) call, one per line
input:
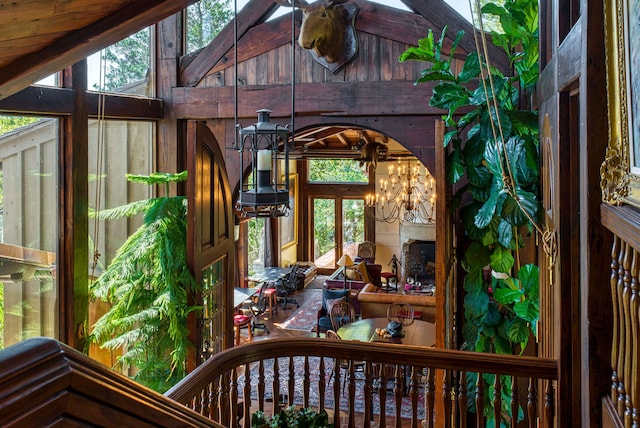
point(264, 146)
point(266, 192)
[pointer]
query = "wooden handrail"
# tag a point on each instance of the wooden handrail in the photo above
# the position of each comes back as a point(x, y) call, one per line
point(212, 388)
point(45, 383)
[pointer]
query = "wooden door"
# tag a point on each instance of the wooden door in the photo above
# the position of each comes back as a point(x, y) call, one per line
point(210, 245)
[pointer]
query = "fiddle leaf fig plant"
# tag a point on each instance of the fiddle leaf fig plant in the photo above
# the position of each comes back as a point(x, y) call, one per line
point(147, 284)
point(492, 133)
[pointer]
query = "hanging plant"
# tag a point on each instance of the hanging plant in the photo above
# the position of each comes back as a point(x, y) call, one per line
point(147, 284)
point(494, 160)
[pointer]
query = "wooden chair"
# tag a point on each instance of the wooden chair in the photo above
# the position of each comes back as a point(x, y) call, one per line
point(358, 366)
point(401, 312)
point(342, 313)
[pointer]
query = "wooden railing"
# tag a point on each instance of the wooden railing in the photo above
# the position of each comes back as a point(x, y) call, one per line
point(44, 383)
point(396, 386)
point(622, 407)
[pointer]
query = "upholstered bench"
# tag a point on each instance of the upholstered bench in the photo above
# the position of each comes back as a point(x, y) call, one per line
point(306, 273)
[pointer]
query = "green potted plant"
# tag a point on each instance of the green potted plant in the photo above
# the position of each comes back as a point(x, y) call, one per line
point(147, 284)
point(291, 417)
point(494, 160)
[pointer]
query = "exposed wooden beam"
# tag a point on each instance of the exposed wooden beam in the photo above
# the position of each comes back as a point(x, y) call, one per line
point(58, 101)
point(366, 98)
point(81, 43)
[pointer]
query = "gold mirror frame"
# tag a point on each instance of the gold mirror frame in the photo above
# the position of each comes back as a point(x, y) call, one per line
point(619, 182)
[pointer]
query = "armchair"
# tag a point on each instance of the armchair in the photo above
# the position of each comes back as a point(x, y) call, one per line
point(328, 296)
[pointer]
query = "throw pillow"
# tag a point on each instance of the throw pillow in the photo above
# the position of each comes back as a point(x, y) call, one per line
point(358, 273)
point(333, 294)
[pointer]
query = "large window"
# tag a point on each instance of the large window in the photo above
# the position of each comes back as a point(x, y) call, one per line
point(205, 19)
point(29, 302)
point(336, 171)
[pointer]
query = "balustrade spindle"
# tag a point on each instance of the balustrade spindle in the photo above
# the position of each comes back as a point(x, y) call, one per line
point(368, 389)
point(352, 391)
point(398, 390)
point(261, 386)
point(382, 394)
point(446, 397)
point(413, 394)
point(514, 402)
point(336, 392)
point(224, 398)
point(430, 398)
point(322, 383)
point(291, 384)
point(616, 254)
point(306, 383)
point(480, 401)
point(462, 399)
point(532, 406)
point(497, 400)
point(215, 395)
point(549, 406)
point(635, 332)
point(621, 351)
point(626, 303)
point(275, 386)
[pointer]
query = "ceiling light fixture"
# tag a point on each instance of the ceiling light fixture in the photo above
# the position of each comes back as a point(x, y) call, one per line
point(407, 195)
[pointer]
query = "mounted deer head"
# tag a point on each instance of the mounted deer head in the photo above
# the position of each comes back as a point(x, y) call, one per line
point(327, 30)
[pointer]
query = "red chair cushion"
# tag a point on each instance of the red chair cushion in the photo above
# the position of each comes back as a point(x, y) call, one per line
point(240, 319)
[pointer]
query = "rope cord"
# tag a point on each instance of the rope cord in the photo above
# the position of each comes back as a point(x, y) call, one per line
point(99, 160)
point(547, 235)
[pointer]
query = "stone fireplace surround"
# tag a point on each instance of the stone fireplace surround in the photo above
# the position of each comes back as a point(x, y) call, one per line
point(416, 241)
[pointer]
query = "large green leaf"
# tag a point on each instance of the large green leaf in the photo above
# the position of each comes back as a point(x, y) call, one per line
point(507, 296)
point(456, 167)
point(501, 259)
point(473, 280)
point(470, 69)
point(449, 95)
point(518, 331)
point(477, 256)
point(476, 303)
point(488, 210)
point(514, 211)
point(529, 276)
point(505, 235)
point(527, 310)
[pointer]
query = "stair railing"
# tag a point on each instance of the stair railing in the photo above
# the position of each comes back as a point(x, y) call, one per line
point(397, 385)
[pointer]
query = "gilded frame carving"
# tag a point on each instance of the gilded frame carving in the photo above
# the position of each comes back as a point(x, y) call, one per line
point(620, 171)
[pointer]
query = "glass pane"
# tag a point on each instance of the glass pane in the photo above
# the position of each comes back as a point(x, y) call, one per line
point(213, 282)
point(125, 147)
point(29, 303)
point(352, 225)
point(205, 19)
point(336, 171)
point(123, 67)
point(324, 233)
point(255, 248)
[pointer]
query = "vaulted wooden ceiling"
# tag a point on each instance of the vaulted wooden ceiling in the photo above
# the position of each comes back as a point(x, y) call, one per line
point(40, 37)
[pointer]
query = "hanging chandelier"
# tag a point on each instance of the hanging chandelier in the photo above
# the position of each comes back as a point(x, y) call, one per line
point(407, 195)
point(264, 147)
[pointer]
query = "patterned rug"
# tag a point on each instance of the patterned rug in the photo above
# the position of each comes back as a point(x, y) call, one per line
point(305, 317)
point(358, 403)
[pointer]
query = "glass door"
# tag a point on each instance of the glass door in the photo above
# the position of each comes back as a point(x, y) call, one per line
point(338, 228)
point(324, 234)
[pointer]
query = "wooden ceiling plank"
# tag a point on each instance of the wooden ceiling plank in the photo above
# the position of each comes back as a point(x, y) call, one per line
point(82, 43)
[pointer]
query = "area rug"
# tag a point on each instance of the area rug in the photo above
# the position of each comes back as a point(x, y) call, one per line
point(305, 317)
point(314, 375)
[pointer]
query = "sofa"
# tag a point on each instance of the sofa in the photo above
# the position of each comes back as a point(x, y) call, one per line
point(374, 303)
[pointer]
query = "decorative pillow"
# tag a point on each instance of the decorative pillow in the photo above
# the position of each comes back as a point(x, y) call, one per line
point(328, 294)
point(358, 273)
